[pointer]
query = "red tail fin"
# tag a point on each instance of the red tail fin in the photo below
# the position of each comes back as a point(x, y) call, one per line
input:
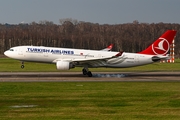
point(161, 45)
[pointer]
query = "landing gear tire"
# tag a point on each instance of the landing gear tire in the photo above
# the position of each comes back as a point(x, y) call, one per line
point(22, 66)
point(84, 71)
point(89, 73)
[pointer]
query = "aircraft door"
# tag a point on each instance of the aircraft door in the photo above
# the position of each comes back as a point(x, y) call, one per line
point(99, 56)
point(20, 51)
point(45, 54)
point(136, 58)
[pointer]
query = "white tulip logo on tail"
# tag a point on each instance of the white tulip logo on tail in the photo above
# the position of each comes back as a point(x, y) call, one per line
point(161, 47)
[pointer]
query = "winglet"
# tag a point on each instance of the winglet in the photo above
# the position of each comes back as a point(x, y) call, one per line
point(119, 54)
point(108, 48)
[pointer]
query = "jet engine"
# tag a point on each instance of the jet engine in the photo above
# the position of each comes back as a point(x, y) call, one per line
point(64, 65)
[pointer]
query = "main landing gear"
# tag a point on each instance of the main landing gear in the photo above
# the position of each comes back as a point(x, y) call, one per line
point(85, 71)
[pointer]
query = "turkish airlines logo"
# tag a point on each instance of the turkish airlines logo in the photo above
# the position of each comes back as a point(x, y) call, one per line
point(160, 47)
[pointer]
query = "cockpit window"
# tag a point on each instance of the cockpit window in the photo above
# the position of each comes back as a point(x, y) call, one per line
point(11, 50)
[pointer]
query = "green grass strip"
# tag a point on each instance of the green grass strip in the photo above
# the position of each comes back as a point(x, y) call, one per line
point(89, 100)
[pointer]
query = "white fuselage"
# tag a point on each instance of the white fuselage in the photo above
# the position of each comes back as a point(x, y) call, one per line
point(90, 58)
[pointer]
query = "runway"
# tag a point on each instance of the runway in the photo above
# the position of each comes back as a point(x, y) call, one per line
point(97, 76)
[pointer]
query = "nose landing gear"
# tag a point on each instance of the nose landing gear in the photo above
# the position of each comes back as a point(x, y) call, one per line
point(22, 65)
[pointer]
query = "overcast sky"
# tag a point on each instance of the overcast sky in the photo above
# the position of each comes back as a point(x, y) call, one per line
point(95, 11)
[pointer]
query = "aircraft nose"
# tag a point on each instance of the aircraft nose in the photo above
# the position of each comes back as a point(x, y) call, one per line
point(6, 53)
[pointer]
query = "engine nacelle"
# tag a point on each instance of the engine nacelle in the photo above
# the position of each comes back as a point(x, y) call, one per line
point(64, 65)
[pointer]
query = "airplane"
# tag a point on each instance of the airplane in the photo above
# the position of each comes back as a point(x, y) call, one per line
point(68, 58)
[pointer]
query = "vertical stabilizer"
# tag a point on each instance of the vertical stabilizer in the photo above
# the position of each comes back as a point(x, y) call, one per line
point(161, 45)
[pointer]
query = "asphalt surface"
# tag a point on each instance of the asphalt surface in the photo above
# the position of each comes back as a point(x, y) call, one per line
point(97, 76)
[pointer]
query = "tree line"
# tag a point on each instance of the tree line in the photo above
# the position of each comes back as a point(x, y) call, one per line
point(128, 37)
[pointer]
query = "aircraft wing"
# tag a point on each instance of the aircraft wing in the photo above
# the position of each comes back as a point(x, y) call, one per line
point(90, 62)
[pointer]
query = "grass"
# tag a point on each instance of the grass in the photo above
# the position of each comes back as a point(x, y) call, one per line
point(10, 65)
point(88, 100)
